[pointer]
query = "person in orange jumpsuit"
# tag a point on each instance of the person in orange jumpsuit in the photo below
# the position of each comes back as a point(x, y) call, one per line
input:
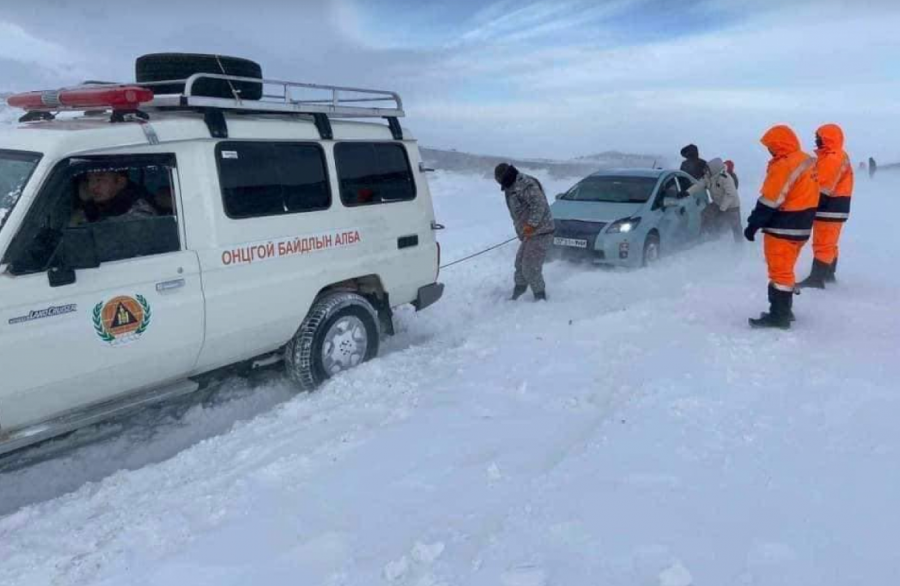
point(785, 212)
point(835, 172)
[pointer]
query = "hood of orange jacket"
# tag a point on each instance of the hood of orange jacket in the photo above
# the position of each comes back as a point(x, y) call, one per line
point(832, 138)
point(781, 141)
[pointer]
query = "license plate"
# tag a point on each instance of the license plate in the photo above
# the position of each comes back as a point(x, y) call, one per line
point(573, 242)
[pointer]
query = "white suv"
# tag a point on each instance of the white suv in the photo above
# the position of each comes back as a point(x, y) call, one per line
point(271, 229)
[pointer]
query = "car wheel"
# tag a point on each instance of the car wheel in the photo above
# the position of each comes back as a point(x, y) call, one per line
point(175, 66)
point(340, 332)
point(651, 250)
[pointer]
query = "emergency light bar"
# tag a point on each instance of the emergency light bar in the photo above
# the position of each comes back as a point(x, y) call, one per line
point(116, 98)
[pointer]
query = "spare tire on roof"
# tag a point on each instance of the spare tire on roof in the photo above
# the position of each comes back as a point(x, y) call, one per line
point(179, 66)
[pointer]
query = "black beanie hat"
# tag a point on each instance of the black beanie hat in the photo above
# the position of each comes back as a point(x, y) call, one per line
point(505, 174)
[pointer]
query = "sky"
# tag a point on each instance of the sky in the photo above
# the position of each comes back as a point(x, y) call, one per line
point(539, 78)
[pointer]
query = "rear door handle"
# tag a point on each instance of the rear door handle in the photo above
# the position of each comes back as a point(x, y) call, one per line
point(170, 285)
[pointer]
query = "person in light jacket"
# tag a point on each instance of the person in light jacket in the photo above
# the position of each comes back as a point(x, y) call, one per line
point(725, 209)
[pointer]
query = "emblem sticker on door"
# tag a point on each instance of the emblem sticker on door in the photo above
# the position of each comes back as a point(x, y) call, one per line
point(122, 320)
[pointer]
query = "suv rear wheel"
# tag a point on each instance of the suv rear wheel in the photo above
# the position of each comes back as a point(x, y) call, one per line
point(340, 332)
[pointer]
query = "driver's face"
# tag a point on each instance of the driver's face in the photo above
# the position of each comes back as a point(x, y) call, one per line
point(104, 187)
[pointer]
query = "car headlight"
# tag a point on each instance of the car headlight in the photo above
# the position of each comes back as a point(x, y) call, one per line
point(623, 226)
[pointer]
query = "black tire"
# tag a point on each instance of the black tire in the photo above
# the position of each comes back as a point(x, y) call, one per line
point(650, 244)
point(303, 355)
point(173, 66)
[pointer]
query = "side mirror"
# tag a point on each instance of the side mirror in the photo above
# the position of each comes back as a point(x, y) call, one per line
point(559, 195)
point(670, 202)
point(77, 250)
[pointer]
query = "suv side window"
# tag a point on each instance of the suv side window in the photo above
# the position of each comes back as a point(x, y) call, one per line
point(272, 178)
point(125, 202)
point(371, 173)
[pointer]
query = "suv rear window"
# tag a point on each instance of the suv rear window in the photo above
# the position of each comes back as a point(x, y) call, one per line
point(270, 179)
point(371, 173)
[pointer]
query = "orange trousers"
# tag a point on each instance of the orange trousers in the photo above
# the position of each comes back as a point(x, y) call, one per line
point(825, 240)
point(781, 256)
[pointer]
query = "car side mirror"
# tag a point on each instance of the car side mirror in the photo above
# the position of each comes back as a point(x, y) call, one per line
point(559, 195)
point(77, 250)
point(670, 202)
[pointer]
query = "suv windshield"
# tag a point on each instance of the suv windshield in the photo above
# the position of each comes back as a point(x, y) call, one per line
point(613, 189)
point(16, 168)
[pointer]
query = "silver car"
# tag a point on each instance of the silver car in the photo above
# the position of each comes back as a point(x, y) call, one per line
point(627, 217)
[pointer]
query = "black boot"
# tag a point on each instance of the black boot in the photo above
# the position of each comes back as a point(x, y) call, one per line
point(832, 268)
point(542, 296)
point(518, 292)
point(816, 278)
point(780, 313)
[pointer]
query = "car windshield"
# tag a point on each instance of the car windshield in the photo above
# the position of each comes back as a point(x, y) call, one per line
point(16, 168)
point(613, 189)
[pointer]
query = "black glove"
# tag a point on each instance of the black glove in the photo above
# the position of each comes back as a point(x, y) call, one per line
point(759, 218)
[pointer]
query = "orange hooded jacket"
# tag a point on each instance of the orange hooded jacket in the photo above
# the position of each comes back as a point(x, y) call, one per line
point(790, 194)
point(835, 174)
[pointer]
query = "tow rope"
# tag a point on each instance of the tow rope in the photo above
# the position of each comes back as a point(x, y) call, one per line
point(485, 251)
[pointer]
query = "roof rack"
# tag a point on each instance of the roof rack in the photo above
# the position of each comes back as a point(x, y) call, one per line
point(325, 99)
point(278, 97)
point(281, 97)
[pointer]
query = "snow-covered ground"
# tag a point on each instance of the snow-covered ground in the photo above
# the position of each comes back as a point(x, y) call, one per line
point(632, 431)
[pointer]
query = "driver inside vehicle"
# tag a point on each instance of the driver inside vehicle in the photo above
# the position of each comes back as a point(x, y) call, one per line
point(110, 195)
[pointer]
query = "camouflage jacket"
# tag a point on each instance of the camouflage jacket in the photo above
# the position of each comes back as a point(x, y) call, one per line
point(528, 206)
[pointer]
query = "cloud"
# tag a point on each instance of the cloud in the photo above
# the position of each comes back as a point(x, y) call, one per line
point(799, 64)
point(532, 78)
point(25, 57)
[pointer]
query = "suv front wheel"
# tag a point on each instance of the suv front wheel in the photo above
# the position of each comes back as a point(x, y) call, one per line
point(341, 331)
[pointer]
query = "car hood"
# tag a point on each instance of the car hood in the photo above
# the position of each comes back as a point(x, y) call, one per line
point(593, 211)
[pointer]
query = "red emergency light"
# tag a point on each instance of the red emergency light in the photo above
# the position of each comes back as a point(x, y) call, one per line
point(116, 98)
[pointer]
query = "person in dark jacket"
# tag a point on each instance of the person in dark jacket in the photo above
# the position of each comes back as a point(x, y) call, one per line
point(109, 195)
point(534, 226)
point(873, 167)
point(693, 165)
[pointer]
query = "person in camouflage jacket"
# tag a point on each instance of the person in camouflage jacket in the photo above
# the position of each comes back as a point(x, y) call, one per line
point(534, 226)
